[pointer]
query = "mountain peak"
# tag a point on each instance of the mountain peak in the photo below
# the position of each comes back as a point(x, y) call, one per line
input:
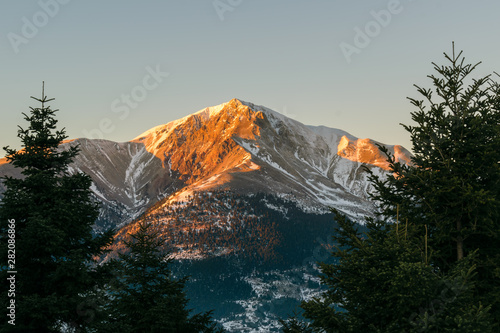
point(203, 114)
point(241, 120)
point(205, 143)
point(238, 145)
point(213, 110)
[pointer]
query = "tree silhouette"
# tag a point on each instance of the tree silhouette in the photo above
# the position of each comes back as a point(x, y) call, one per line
point(145, 297)
point(53, 210)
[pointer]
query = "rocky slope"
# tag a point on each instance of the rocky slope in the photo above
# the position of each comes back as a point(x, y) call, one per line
point(239, 194)
point(237, 145)
point(250, 148)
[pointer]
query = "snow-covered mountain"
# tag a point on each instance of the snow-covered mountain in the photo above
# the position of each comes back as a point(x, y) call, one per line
point(239, 194)
point(251, 148)
point(236, 145)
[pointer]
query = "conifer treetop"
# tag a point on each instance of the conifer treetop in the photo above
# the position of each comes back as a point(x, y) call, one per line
point(44, 99)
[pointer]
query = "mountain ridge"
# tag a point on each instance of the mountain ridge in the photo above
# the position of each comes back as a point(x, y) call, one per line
point(239, 194)
point(271, 126)
point(239, 145)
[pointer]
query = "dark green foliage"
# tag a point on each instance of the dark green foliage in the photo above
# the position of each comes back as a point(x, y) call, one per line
point(382, 284)
point(430, 264)
point(211, 221)
point(54, 214)
point(215, 283)
point(144, 296)
point(207, 222)
point(453, 185)
point(295, 325)
point(244, 224)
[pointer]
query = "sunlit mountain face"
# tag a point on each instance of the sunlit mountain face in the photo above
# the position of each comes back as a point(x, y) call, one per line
point(237, 145)
point(241, 197)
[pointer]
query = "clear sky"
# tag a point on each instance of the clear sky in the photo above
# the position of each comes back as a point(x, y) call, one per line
point(118, 68)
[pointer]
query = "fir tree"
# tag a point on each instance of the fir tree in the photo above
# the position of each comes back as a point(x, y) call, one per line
point(383, 283)
point(144, 296)
point(437, 271)
point(295, 325)
point(453, 185)
point(54, 213)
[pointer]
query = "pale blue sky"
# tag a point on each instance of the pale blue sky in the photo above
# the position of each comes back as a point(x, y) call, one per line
point(284, 54)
